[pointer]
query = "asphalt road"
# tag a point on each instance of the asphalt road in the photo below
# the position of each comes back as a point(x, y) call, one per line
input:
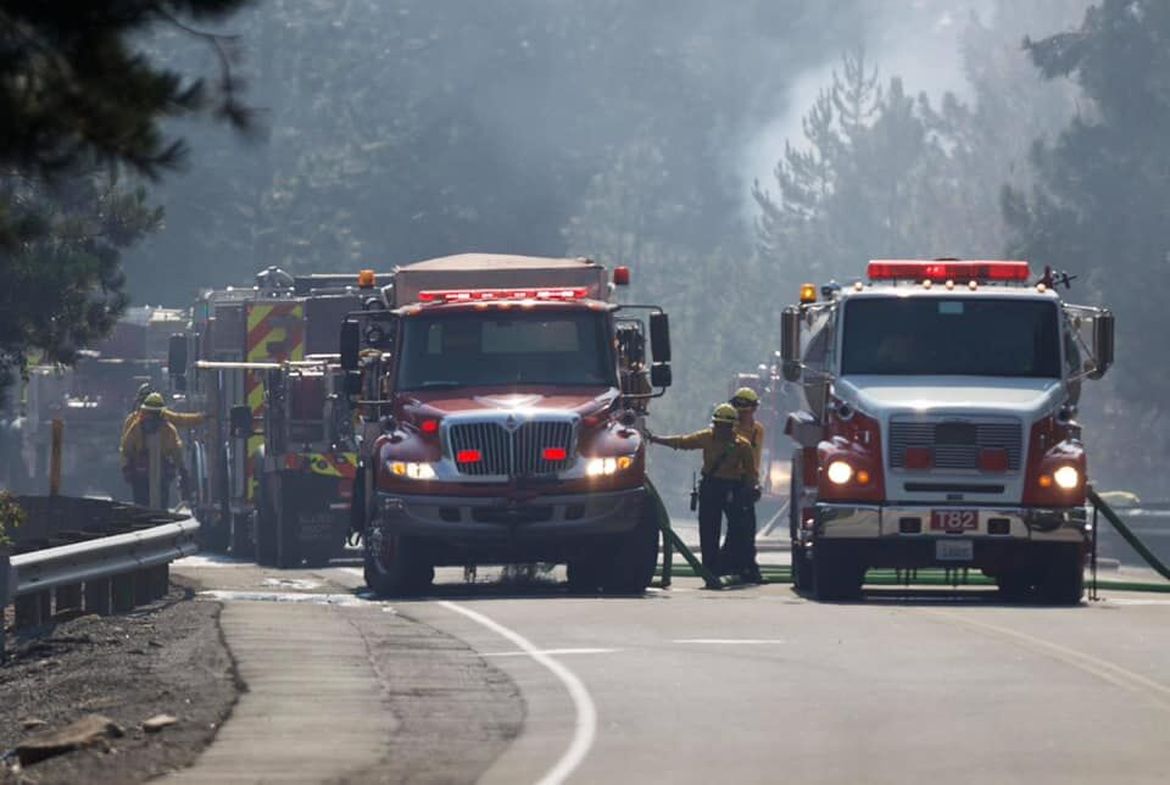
point(759, 685)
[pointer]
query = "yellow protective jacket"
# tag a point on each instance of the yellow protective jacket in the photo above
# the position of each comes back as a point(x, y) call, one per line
point(177, 419)
point(755, 437)
point(134, 449)
point(739, 463)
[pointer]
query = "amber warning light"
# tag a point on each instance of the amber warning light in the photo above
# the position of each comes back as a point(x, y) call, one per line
point(987, 272)
point(366, 279)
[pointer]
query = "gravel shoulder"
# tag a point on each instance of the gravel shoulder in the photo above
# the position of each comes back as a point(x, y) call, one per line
point(165, 658)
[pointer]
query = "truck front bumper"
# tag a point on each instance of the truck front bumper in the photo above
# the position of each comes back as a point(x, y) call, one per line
point(463, 529)
point(908, 522)
point(901, 535)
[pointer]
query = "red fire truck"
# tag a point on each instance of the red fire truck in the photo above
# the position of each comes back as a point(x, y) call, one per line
point(275, 473)
point(500, 396)
point(939, 427)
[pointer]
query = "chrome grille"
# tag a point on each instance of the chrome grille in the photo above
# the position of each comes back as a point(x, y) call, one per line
point(955, 444)
point(519, 452)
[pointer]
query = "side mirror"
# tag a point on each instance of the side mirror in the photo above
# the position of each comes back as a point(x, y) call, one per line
point(177, 356)
point(350, 342)
point(1102, 344)
point(660, 375)
point(660, 337)
point(790, 343)
point(240, 421)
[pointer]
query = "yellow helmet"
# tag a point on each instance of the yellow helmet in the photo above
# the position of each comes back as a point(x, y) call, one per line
point(154, 401)
point(724, 413)
point(745, 396)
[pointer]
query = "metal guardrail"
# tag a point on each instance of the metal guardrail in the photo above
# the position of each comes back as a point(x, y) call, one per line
point(124, 563)
point(102, 558)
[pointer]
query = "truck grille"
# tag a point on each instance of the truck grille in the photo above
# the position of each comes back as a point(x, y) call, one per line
point(518, 452)
point(955, 444)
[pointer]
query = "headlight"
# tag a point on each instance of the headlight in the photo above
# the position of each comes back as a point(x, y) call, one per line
point(415, 471)
point(840, 472)
point(1067, 477)
point(598, 467)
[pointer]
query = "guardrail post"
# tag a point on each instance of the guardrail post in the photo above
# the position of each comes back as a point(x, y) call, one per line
point(56, 438)
point(144, 586)
point(68, 597)
point(122, 592)
point(97, 596)
point(5, 593)
point(161, 580)
point(33, 609)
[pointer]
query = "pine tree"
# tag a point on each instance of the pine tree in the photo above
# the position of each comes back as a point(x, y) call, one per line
point(80, 105)
point(1099, 204)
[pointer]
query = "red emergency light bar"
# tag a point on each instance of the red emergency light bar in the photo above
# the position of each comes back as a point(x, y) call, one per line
point(555, 453)
point(468, 456)
point(498, 295)
point(917, 270)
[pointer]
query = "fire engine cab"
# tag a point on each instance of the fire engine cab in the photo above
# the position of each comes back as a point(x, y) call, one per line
point(939, 426)
point(499, 397)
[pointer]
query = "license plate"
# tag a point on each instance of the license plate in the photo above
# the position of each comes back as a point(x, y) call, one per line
point(954, 550)
point(954, 520)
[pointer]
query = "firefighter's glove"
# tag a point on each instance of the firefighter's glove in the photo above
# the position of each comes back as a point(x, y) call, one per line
point(756, 493)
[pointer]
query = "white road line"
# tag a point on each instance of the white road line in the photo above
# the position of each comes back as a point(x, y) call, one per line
point(586, 723)
point(549, 652)
point(730, 641)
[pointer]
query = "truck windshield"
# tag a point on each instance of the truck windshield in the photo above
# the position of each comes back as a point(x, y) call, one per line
point(472, 349)
point(929, 336)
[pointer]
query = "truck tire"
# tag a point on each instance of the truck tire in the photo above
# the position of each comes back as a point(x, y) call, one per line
point(266, 545)
point(836, 576)
point(630, 568)
point(288, 543)
point(585, 574)
point(803, 570)
point(1015, 585)
point(213, 532)
point(802, 566)
point(392, 567)
point(242, 543)
point(1061, 580)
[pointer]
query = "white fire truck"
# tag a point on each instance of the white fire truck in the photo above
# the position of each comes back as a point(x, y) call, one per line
point(940, 426)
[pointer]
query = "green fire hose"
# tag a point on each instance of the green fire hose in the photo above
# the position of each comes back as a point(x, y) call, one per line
point(672, 542)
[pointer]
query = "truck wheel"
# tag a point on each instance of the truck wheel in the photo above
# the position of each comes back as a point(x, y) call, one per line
point(631, 567)
point(585, 574)
point(392, 568)
point(835, 575)
point(1062, 578)
point(213, 533)
point(288, 544)
point(265, 516)
point(1015, 585)
point(803, 571)
point(240, 536)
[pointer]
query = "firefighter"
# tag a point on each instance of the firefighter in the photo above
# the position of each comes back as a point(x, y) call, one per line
point(151, 422)
point(728, 478)
point(177, 419)
point(740, 546)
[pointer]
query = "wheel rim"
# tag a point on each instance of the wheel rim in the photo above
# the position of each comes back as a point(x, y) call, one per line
point(382, 549)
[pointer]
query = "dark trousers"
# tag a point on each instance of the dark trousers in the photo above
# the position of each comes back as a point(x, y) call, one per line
point(739, 550)
point(716, 499)
point(140, 486)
